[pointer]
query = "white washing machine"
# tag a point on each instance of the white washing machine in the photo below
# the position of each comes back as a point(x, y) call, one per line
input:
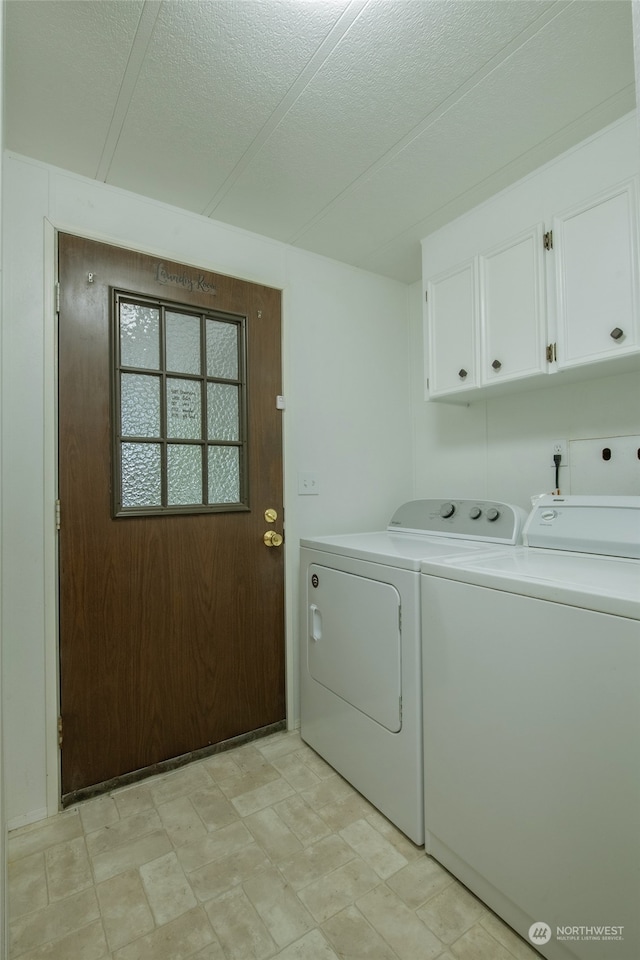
point(361, 696)
point(531, 666)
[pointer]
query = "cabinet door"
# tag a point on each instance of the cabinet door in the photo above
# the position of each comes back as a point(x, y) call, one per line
point(513, 309)
point(451, 330)
point(597, 278)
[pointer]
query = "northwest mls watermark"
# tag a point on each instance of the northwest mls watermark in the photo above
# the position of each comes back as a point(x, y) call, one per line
point(540, 933)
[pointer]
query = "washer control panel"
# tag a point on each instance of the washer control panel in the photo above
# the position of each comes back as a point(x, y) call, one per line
point(471, 519)
point(598, 524)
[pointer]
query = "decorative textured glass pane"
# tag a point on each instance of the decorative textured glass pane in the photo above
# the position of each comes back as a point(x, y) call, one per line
point(222, 350)
point(183, 343)
point(222, 411)
point(141, 486)
point(224, 475)
point(184, 474)
point(139, 405)
point(139, 336)
point(184, 409)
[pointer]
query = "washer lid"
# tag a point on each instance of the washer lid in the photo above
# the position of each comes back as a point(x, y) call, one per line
point(603, 525)
point(606, 584)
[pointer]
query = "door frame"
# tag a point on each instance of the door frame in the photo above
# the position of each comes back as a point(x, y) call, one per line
point(50, 539)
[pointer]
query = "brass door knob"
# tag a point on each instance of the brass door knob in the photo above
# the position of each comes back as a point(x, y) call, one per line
point(272, 539)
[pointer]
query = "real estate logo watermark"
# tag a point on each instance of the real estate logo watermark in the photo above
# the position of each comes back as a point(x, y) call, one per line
point(540, 932)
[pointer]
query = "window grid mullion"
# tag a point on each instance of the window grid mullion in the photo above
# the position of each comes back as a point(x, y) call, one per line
point(164, 483)
point(204, 399)
point(204, 443)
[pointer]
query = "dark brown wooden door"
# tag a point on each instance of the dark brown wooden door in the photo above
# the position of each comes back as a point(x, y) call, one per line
point(171, 626)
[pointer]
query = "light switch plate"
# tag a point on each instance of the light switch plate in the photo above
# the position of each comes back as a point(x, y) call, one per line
point(308, 484)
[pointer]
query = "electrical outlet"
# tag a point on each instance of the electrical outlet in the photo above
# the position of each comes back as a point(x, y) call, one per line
point(560, 447)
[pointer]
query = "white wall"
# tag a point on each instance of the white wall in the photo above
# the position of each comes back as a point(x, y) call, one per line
point(635, 15)
point(347, 417)
point(3, 821)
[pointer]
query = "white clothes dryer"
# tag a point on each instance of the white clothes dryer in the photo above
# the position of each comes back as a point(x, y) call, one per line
point(531, 663)
point(361, 687)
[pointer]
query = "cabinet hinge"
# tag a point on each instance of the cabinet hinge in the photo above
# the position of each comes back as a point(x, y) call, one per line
point(552, 352)
point(547, 240)
point(57, 298)
point(426, 295)
point(400, 709)
point(57, 514)
point(59, 731)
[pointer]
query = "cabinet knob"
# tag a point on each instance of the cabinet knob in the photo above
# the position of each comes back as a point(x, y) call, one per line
point(617, 333)
point(496, 364)
point(462, 373)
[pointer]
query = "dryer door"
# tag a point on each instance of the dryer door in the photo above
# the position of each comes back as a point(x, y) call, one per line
point(353, 641)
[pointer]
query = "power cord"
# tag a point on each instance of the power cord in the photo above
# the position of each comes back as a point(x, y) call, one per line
point(557, 457)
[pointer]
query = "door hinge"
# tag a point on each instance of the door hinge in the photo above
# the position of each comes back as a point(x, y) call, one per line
point(57, 514)
point(552, 352)
point(547, 240)
point(59, 731)
point(57, 298)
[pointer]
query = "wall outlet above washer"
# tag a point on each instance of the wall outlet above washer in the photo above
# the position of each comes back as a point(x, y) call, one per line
point(560, 448)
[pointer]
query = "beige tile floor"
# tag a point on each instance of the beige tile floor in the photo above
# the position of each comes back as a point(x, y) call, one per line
point(260, 852)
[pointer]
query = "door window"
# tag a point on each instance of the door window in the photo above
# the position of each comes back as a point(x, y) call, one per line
point(179, 409)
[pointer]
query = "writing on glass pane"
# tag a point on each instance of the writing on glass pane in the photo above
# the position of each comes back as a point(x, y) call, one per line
point(184, 409)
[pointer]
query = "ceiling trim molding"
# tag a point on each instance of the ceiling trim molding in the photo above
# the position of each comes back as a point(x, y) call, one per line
point(324, 51)
point(146, 25)
point(437, 113)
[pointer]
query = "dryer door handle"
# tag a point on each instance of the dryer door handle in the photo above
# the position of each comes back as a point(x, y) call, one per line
point(315, 623)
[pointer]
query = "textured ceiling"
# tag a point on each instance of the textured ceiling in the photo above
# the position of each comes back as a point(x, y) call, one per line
point(351, 128)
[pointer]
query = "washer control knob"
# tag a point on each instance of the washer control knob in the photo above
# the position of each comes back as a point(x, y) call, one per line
point(492, 514)
point(447, 510)
point(475, 513)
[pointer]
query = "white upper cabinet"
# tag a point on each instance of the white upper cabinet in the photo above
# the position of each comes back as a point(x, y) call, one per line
point(452, 310)
point(512, 309)
point(486, 318)
point(541, 279)
point(596, 254)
